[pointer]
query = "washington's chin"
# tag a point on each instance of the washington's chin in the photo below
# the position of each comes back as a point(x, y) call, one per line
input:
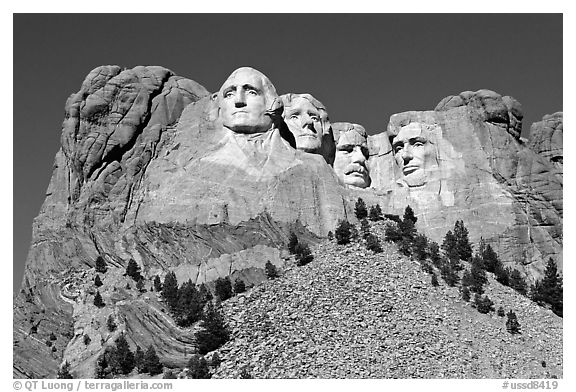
point(249, 127)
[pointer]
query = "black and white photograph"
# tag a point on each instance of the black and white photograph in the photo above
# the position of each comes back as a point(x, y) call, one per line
point(259, 195)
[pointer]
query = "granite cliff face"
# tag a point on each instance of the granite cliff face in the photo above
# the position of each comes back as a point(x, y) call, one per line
point(483, 173)
point(147, 172)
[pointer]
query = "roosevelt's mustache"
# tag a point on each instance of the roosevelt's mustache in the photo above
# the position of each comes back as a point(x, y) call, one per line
point(355, 168)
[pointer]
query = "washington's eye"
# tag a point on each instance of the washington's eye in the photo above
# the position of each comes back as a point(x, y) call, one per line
point(315, 118)
point(418, 144)
point(397, 149)
point(228, 94)
point(293, 117)
point(252, 92)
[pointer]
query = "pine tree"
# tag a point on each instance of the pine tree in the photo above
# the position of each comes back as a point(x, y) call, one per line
point(216, 361)
point(198, 368)
point(98, 302)
point(188, 307)
point(434, 253)
point(448, 273)
point(133, 270)
point(97, 281)
point(139, 360)
point(245, 374)
point(152, 362)
point(502, 274)
point(223, 288)
point(501, 312)
point(375, 213)
point(392, 232)
point(419, 247)
point(204, 294)
point(271, 271)
point(512, 324)
point(489, 257)
point(140, 285)
point(434, 280)
point(169, 375)
point(239, 286)
point(292, 243)
point(343, 232)
point(87, 340)
point(465, 293)
point(360, 209)
point(365, 228)
point(373, 244)
point(170, 290)
point(450, 247)
point(303, 255)
point(157, 284)
point(110, 324)
point(408, 224)
point(123, 354)
point(102, 368)
point(463, 246)
point(483, 304)
point(517, 282)
point(64, 371)
point(330, 236)
point(550, 289)
point(101, 265)
point(214, 331)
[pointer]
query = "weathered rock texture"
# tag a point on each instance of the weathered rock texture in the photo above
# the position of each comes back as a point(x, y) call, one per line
point(486, 176)
point(546, 138)
point(146, 173)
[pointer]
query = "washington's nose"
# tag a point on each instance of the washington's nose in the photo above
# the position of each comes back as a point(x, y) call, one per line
point(240, 99)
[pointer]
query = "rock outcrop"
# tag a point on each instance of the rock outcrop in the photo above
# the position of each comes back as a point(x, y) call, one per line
point(484, 174)
point(546, 138)
point(149, 171)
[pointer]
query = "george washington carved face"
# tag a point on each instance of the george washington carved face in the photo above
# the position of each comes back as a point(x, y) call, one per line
point(246, 100)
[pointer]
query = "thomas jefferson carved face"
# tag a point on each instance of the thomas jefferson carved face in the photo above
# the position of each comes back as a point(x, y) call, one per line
point(245, 100)
point(305, 120)
point(414, 154)
point(351, 155)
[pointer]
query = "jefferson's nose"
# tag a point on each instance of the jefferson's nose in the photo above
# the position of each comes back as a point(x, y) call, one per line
point(306, 122)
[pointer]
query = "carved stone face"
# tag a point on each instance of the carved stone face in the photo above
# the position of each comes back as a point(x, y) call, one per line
point(414, 154)
point(304, 121)
point(244, 99)
point(351, 156)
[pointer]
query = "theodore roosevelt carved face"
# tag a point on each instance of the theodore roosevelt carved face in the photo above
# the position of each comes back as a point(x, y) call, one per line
point(351, 154)
point(414, 154)
point(246, 101)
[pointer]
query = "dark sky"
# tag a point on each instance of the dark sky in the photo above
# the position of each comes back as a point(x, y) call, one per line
point(363, 67)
